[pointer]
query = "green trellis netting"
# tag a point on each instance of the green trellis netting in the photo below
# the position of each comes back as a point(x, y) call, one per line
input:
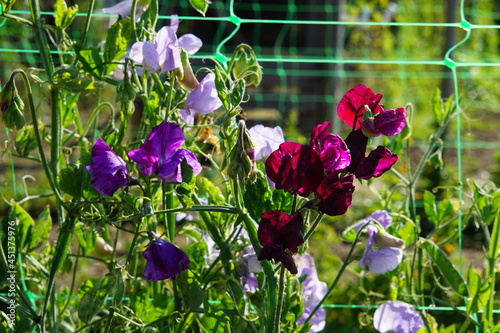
point(313, 51)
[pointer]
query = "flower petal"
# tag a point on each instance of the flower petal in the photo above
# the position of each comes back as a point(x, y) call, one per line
point(351, 105)
point(335, 194)
point(170, 170)
point(204, 99)
point(190, 43)
point(397, 317)
point(167, 47)
point(164, 261)
point(266, 140)
point(383, 260)
point(376, 163)
point(390, 122)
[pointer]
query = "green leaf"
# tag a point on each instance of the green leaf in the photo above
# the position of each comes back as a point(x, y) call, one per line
point(479, 291)
point(93, 300)
point(73, 180)
point(117, 40)
point(430, 207)
point(445, 266)
point(190, 289)
point(90, 59)
point(63, 15)
point(200, 5)
point(25, 225)
point(25, 140)
point(6, 5)
point(41, 231)
point(437, 106)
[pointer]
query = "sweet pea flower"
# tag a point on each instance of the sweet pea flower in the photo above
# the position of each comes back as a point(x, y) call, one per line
point(162, 54)
point(295, 168)
point(390, 253)
point(397, 317)
point(266, 140)
point(352, 105)
point(204, 98)
point(280, 234)
point(107, 170)
point(331, 148)
point(375, 164)
point(188, 42)
point(313, 291)
point(124, 9)
point(164, 260)
point(161, 153)
point(334, 194)
point(375, 121)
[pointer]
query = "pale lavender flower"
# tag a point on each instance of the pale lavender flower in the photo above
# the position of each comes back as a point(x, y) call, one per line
point(266, 140)
point(188, 42)
point(390, 253)
point(313, 291)
point(161, 153)
point(162, 54)
point(203, 99)
point(251, 266)
point(124, 9)
point(397, 317)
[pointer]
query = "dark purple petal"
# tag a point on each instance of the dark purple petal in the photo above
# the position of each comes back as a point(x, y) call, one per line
point(276, 253)
point(158, 148)
point(280, 235)
point(295, 168)
point(376, 163)
point(164, 261)
point(356, 142)
point(390, 122)
point(397, 317)
point(170, 170)
point(351, 105)
point(108, 170)
point(335, 194)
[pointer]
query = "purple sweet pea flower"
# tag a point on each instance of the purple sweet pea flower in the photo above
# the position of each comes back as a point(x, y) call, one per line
point(266, 140)
point(251, 266)
point(376, 163)
point(108, 170)
point(331, 148)
point(160, 153)
point(397, 317)
point(162, 55)
point(389, 254)
point(164, 260)
point(313, 291)
point(124, 9)
point(387, 122)
point(334, 194)
point(204, 99)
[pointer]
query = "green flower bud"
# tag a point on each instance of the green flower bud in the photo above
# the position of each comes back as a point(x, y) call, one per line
point(12, 106)
point(185, 75)
point(247, 67)
point(242, 155)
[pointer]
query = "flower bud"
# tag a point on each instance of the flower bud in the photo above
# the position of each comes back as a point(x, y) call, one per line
point(185, 74)
point(385, 239)
point(12, 106)
point(247, 68)
point(242, 155)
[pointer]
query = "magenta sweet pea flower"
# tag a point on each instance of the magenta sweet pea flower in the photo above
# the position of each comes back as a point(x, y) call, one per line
point(203, 99)
point(313, 291)
point(390, 253)
point(376, 163)
point(280, 234)
point(397, 317)
point(334, 194)
point(107, 170)
point(160, 153)
point(266, 140)
point(162, 54)
point(352, 105)
point(164, 260)
point(295, 168)
point(387, 122)
point(331, 148)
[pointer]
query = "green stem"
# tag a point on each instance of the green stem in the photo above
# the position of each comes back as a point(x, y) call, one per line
point(279, 307)
point(168, 203)
point(87, 21)
point(313, 226)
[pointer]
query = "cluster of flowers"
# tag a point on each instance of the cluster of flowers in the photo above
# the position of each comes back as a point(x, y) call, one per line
point(327, 168)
